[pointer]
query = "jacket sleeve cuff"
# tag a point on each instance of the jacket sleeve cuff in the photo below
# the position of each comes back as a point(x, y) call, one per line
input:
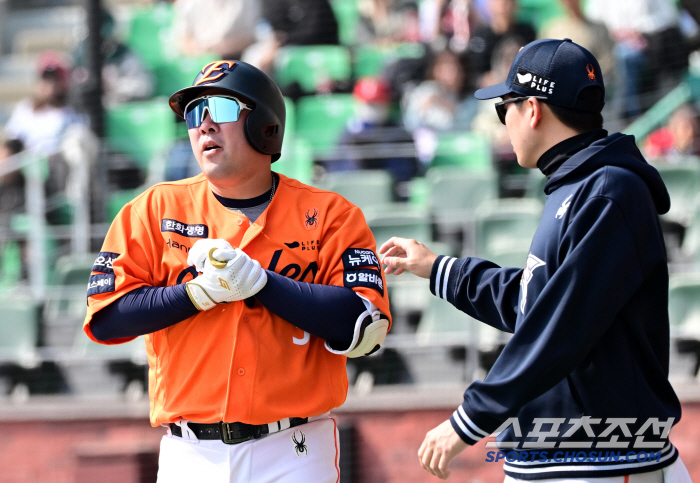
point(469, 432)
point(444, 277)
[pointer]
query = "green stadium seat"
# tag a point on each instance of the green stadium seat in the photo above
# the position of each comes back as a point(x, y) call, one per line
point(141, 130)
point(364, 188)
point(683, 184)
point(691, 238)
point(297, 160)
point(174, 74)
point(134, 350)
point(371, 59)
point(347, 16)
point(398, 220)
point(684, 305)
point(504, 230)
point(457, 188)
point(10, 265)
point(149, 34)
point(454, 193)
point(535, 185)
point(322, 119)
point(117, 199)
point(65, 306)
point(312, 65)
point(290, 125)
point(19, 329)
point(466, 149)
point(442, 319)
point(539, 12)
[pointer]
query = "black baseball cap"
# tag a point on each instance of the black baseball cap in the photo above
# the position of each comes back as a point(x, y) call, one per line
point(558, 70)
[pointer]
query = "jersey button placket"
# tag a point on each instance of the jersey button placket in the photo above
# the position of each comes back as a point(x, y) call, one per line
point(240, 221)
point(241, 371)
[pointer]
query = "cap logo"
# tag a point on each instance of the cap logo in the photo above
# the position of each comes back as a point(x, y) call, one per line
point(215, 71)
point(591, 73)
point(534, 82)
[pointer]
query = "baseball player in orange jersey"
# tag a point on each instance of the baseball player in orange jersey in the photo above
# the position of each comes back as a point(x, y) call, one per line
point(250, 288)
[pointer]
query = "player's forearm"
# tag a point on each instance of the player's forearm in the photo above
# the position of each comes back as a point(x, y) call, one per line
point(143, 311)
point(326, 311)
point(480, 288)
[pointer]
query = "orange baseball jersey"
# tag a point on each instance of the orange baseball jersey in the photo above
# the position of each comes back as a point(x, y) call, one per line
point(236, 363)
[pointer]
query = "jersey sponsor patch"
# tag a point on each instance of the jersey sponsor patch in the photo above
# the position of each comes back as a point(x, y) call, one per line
point(364, 278)
point(360, 258)
point(103, 262)
point(195, 231)
point(100, 283)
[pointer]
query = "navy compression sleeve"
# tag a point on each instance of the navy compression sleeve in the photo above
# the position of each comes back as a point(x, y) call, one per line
point(143, 311)
point(304, 305)
point(326, 311)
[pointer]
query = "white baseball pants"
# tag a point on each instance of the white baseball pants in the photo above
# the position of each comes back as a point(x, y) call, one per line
point(302, 454)
point(676, 473)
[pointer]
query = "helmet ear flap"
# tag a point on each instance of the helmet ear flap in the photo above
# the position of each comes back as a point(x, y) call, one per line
point(265, 137)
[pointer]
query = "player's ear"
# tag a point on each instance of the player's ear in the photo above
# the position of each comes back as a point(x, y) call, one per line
point(534, 111)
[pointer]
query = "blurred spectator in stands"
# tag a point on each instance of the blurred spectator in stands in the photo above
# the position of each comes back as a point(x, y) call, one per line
point(445, 23)
point(488, 125)
point(679, 137)
point(501, 25)
point(39, 122)
point(291, 22)
point(650, 51)
point(484, 122)
point(373, 141)
point(221, 27)
point(388, 21)
point(591, 35)
point(180, 162)
point(125, 78)
point(11, 184)
point(442, 102)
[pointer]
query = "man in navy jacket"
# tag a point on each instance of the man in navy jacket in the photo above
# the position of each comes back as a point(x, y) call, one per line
point(581, 390)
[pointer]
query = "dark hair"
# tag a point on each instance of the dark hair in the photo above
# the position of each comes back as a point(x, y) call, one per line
point(14, 146)
point(582, 121)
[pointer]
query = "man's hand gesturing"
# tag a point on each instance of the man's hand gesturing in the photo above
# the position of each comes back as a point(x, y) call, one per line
point(401, 254)
point(439, 448)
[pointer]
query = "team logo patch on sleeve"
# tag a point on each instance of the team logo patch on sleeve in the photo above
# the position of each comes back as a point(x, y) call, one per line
point(103, 262)
point(100, 283)
point(364, 278)
point(360, 258)
point(195, 231)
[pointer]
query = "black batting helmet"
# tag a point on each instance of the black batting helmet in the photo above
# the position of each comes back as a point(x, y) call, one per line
point(264, 127)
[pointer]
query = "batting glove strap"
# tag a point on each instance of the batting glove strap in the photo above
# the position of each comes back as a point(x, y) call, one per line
point(199, 296)
point(229, 276)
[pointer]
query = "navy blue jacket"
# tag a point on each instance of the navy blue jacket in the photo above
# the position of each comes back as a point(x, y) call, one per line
point(589, 317)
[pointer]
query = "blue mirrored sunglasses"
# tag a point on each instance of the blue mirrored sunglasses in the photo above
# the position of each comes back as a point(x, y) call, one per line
point(221, 109)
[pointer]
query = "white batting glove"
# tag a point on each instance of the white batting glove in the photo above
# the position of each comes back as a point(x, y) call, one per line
point(230, 276)
point(200, 251)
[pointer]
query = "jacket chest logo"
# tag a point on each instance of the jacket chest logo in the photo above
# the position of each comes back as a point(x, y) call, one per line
point(563, 208)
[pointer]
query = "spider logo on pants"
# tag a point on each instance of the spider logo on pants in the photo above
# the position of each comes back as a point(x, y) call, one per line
point(300, 448)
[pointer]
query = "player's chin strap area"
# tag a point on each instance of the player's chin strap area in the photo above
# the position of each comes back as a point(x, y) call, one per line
point(370, 332)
